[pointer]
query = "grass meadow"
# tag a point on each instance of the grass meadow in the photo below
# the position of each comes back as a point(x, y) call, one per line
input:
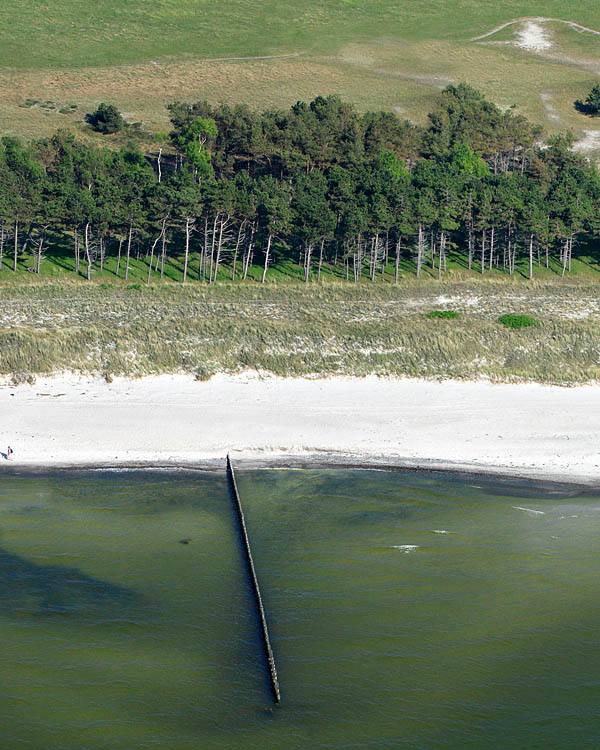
point(59, 58)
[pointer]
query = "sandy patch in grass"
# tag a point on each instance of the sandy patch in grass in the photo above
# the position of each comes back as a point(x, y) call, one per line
point(589, 143)
point(548, 106)
point(533, 37)
point(535, 22)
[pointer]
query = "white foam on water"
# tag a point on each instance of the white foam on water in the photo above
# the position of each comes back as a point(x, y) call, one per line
point(441, 531)
point(405, 547)
point(529, 510)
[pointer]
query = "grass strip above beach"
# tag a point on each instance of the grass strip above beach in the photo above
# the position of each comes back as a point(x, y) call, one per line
point(298, 330)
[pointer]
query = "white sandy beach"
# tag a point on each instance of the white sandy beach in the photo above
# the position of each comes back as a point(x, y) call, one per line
point(527, 430)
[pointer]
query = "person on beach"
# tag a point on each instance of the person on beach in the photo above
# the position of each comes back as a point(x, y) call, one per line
point(9, 450)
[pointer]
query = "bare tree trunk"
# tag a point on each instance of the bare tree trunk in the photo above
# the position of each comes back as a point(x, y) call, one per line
point(163, 254)
point(470, 244)
point(397, 262)
point(76, 251)
point(158, 164)
point(187, 248)
point(564, 257)
point(87, 251)
point(419, 250)
point(16, 245)
point(492, 231)
point(561, 252)
point(267, 253)
point(483, 251)
point(222, 226)
point(307, 258)
point(385, 252)
point(212, 250)
point(320, 260)
point(39, 255)
point(203, 251)
point(246, 261)
point(442, 255)
point(531, 256)
point(119, 256)
point(154, 244)
point(374, 252)
point(1, 243)
point(236, 250)
point(128, 250)
point(358, 258)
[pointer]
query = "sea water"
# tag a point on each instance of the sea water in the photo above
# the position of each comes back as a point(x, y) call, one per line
point(406, 610)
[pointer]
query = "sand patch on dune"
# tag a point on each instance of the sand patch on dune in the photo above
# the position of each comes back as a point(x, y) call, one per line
point(533, 37)
point(590, 142)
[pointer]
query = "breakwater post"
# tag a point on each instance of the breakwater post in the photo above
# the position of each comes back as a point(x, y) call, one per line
point(257, 595)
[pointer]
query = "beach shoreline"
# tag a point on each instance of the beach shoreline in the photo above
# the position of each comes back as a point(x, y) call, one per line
point(521, 431)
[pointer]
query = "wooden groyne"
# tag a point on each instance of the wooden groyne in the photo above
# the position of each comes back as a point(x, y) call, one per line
point(257, 595)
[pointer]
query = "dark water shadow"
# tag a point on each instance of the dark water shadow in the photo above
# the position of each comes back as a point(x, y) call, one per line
point(49, 589)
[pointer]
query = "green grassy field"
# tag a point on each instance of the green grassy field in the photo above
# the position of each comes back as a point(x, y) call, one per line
point(59, 263)
point(377, 53)
point(75, 33)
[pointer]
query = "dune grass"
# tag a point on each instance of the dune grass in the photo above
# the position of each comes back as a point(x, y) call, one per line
point(297, 330)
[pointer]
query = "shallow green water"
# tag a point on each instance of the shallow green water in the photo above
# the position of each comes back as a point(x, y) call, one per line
point(387, 632)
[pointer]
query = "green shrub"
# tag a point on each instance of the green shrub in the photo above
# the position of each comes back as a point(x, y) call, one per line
point(447, 314)
point(510, 320)
point(106, 119)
